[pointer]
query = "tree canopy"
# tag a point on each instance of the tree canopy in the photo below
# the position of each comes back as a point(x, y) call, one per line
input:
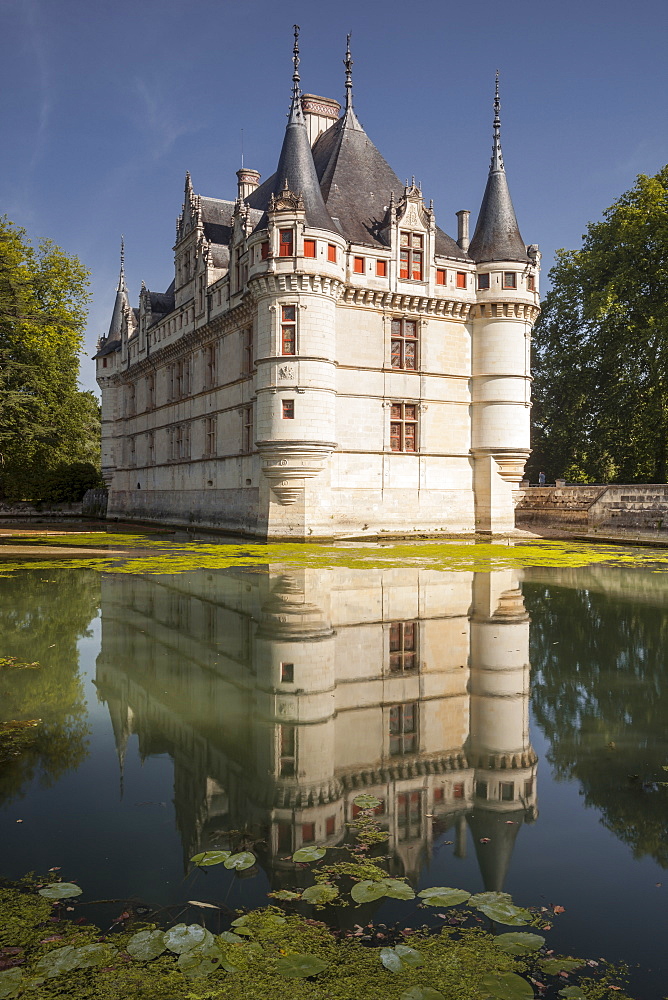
point(44, 419)
point(601, 348)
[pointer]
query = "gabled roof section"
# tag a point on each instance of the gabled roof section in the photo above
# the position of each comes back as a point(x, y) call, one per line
point(497, 235)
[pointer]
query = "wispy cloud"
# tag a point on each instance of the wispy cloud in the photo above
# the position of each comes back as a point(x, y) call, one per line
point(160, 119)
point(37, 46)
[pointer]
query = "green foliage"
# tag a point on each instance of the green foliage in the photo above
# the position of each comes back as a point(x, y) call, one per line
point(44, 419)
point(68, 482)
point(600, 360)
point(439, 895)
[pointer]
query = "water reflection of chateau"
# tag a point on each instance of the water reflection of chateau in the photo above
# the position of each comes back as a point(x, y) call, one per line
point(282, 694)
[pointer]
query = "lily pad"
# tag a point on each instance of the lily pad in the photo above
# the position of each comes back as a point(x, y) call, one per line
point(11, 981)
point(572, 993)
point(485, 898)
point(320, 894)
point(60, 890)
point(146, 945)
point(185, 937)
point(519, 942)
point(400, 958)
point(397, 889)
point(286, 894)
point(366, 802)
point(231, 938)
point(421, 993)
point(443, 896)
point(553, 966)
point(200, 961)
point(55, 962)
point(207, 858)
point(240, 861)
point(506, 986)
point(367, 890)
point(309, 854)
point(90, 955)
point(505, 913)
point(300, 966)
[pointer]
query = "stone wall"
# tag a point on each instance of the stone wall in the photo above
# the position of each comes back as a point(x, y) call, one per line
point(640, 507)
point(23, 508)
point(557, 505)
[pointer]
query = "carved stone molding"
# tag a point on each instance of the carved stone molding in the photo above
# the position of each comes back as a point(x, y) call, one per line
point(288, 464)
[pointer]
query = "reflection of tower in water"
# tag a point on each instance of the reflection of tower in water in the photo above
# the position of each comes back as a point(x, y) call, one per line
point(282, 696)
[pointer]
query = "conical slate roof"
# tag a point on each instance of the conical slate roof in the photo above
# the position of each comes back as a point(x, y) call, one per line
point(497, 235)
point(122, 301)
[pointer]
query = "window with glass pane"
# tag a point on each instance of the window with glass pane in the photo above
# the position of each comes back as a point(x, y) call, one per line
point(403, 729)
point(531, 283)
point(409, 816)
point(285, 243)
point(411, 256)
point(509, 279)
point(404, 344)
point(248, 429)
point(403, 647)
point(288, 750)
point(288, 329)
point(210, 436)
point(483, 281)
point(264, 250)
point(403, 427)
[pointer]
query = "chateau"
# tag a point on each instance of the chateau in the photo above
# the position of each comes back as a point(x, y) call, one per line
point(327, 362)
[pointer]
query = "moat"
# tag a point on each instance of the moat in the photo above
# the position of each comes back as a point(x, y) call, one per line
point(512, 723)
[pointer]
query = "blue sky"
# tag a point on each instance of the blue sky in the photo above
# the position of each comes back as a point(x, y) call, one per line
point(104, 106)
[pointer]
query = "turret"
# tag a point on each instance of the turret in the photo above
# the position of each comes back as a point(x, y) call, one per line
point(504, 314)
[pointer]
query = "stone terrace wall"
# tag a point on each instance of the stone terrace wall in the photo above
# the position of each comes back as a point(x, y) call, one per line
point(642, 507)
point(566, 506)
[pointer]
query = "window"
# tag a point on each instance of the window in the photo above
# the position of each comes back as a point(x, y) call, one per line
point(131, 401)
point(330, 826)
point(285, 244)
point(509, 279)
point(210, 436)
point(483, 281)
point(506, 791)
point(358, 265)
point(458, 790)
point(288, 329)
point(381, 268)
point(308, 833)
point(528, 788)
point(331, 253)
point(438, 795)
point(104, 362)
point(409, 816)
point(403, 647)
point(411, 256)
point(441, 275)
point(309, 248)
point(248, 350)
point(460, 280)
point(248, 435)
point(181, 382)
point(210, 366)
point(288, 750)
point(284, 831)
point(403, 427)
point(288, 409)
point(404, 344)
point(287, 673)
point(150, 447)
point(264, 250)
point(181, 448)
point(403, 729)
point(481, 789)
point(150, 392)
point(132, 451)
point(531, 283)
point(378, 811)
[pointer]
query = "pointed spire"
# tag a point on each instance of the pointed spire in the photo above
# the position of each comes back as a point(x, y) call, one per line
point(497, 235)
point(121, 277)
point(296, 113)
point(348, 63)
point(121, 300)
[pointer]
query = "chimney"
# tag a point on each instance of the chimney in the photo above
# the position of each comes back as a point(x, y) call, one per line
point(463, 229)
point(247, 181)
point(319, 113)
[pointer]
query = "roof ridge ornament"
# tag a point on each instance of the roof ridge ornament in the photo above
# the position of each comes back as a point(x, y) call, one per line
point(497, 155)
point(295, 114)
point(348, 63)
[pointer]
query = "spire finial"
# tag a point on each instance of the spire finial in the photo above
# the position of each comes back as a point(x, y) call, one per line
point(295, 60)
point(348, 63)
point(121, 276)
point(497, 155)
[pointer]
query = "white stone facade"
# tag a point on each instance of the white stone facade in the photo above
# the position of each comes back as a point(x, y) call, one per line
point(337, 389)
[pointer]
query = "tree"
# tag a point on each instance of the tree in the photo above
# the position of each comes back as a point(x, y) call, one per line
point(44, 419)
point(601, 348)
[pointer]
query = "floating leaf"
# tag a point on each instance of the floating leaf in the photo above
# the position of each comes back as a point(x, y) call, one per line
point(285, 894)
point(146, 945)
point(184, 937)
point(553, 966)
point(11, 981)
point(397, 889)
point(400, 958)
point(309, 854)
point(231, 938)
point(60, 890)
point(240, 861)
point(200, 961)
point(207, 858)
point(93, 954)
point(320, 894)
point(368, 801)
point(519, 942)
point(367, 890)
point(505, 913)
point(55, 962)
point(484, 898)
point(300, 966)
point(507, 986)
point(572, 993)
point(443, 896)
point(421, 993)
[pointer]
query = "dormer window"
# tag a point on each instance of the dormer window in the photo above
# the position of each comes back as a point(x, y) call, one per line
point(286, 243)
point(411, 256)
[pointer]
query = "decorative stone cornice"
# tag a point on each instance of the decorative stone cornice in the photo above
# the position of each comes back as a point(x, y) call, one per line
point(273, 283)
point(505, 761)
point(505, 310)
point(405, 767)
point(287, 464)
point(401, 302)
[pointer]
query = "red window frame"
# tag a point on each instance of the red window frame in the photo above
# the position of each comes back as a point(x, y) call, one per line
point(403, 427)
point(264, 250)
point(289, 330)
point(287, 673)
point(458, 790)
point(403, 647)
point(308, 833)
point(510, 279)
point(411, 256)
point(331, 253)
point(404, 344)
point(286, 243)
point(438, 795)
point(330, 826)
point(441, 276)
point(288, 409)
point(381, 268)
point(358, 265)
point(403, 729)
point(460, 281)
point(309, 248)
